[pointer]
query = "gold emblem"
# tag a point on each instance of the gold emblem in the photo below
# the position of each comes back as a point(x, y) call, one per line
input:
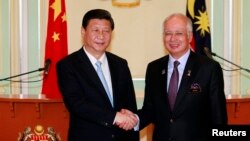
point(39, 134)
point(125, 3)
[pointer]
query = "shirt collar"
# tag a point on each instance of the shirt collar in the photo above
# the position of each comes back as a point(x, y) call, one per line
point(103, 58)
point(182, 60)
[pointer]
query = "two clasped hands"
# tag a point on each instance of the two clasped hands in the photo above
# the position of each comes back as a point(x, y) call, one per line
point(125, 119)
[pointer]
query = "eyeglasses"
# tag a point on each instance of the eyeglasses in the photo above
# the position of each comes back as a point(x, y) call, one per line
point(176, 34)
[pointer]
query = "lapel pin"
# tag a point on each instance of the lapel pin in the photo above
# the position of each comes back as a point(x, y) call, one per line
point(163, 71)
point(189, 73)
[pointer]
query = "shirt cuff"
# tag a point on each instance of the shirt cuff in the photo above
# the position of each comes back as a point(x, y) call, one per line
point(136, 128)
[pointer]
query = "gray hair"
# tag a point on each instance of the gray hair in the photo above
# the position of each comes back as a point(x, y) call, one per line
point(188, 20)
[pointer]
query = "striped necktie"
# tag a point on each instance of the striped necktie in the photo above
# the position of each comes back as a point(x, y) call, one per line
point(173, 85)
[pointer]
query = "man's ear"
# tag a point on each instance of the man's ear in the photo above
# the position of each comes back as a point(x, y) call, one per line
point(82, 31)
point(190, 36)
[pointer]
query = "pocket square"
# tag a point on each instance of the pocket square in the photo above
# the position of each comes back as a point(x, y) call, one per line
point(195, 88)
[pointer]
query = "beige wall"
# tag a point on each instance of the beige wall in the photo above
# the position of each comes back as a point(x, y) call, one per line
point(137, 35)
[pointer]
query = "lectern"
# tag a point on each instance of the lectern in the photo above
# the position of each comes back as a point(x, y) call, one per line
point(31, 112)
point(238, 109)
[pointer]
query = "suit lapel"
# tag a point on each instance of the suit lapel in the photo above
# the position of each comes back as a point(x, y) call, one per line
point(113, 74)
point(89, 71)
point(188, 75)
point(163, 80)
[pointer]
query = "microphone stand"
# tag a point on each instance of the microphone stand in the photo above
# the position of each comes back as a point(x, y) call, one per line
point(245, 69)
point(7, 78)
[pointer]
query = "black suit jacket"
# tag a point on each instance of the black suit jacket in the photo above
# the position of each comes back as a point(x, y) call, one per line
point(91, 113)
point(200, 102)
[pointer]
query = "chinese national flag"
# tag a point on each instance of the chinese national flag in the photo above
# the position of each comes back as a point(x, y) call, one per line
point(196, 11)
point(56, 46)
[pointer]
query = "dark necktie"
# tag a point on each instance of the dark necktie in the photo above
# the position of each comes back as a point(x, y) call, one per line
point(173, 85)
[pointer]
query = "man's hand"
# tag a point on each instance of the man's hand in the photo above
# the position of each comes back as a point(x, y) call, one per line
point(125, 119)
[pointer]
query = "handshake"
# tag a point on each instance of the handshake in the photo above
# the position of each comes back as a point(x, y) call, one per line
point(125, 119)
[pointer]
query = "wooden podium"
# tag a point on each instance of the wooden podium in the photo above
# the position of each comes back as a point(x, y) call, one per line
point(18, 112)
point(238, 109)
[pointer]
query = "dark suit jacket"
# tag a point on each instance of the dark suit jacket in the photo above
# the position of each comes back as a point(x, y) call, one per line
point(91, 114)
point(200, 102)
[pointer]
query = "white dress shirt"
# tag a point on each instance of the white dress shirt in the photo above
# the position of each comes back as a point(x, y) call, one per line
point(181, 66)
point(105, 68)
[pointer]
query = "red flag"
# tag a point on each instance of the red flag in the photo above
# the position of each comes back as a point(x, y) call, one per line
point(196, 11)
point(56, 46)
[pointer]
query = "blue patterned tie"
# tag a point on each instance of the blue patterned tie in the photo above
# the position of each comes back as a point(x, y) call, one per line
point(173, 85)
point(104, 82)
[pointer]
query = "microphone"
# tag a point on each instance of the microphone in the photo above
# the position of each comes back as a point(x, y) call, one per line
point(45, 69)
point(209, 53)
point(47, 66)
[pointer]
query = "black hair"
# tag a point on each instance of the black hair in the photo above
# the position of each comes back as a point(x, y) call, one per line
point(97, 14)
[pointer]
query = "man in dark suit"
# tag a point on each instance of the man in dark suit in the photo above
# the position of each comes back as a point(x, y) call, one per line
point(198, 104)
point(94, 106)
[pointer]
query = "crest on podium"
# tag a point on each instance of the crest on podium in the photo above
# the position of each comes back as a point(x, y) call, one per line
point(38, 134)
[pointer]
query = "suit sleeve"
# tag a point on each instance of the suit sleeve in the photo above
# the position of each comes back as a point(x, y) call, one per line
point(75, 98)
point(217, 96)
point(146, 113)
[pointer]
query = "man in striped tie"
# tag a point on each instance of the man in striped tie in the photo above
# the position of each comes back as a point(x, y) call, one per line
point(184, 92)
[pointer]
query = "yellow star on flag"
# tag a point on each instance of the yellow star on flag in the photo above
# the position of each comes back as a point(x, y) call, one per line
point(64, 18)
point(56, 36)
point(202, 22)
point(57, 6)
